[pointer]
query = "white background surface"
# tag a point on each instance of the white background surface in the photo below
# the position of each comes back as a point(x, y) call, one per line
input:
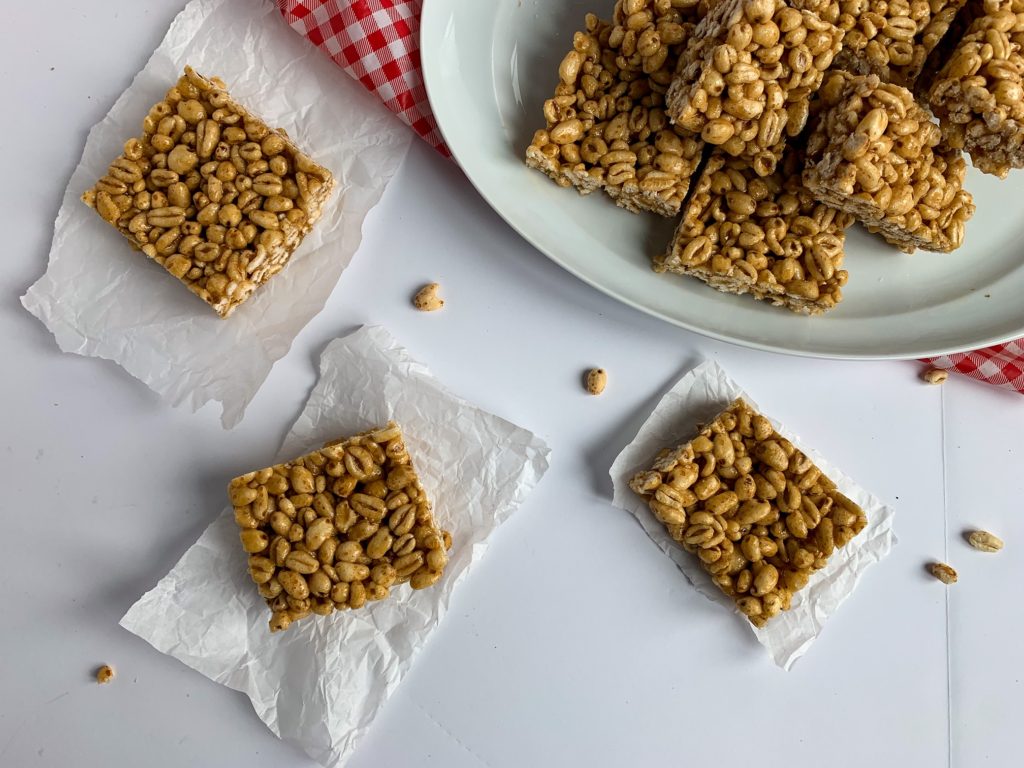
point(575, 642)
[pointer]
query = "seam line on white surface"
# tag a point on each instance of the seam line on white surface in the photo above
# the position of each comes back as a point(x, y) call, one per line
point(449, 734)
point(945, 559)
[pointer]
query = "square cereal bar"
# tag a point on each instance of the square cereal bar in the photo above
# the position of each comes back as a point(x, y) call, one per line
point(875, 153)
point(764, 236)
point(747, 85)
point(758, 514)
point(338, 527)
point(211, 193)
point(606, 126)
point(888, 38)
point(978, 95)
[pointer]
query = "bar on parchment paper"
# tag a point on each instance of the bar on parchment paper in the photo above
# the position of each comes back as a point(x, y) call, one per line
point(338, 527)
point(756, 512)
point(211, 193)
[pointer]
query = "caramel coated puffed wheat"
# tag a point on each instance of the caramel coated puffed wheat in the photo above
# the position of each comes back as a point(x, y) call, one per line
point(757, 513)
point(338, 527)
point(606, 126)
point(983, 541)
point(978, 95)
point(875, 153)
point(888, 38)
point(767, 237)
point(746, 85)
point(944, 573)
point(211, 193)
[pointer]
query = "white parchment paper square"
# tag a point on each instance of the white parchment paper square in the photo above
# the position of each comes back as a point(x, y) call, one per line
point(697, 398)
point(320, 684)
point(101, 298)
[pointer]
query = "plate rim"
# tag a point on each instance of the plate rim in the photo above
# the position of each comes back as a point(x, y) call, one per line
point(430, 16)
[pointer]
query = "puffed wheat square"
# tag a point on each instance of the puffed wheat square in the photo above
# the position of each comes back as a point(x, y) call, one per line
point(875, 153)
point(211, 193)
point(757, 513)
point(746, 86)
point(890, 39)
point(605, 126)
point(767, 237)
point(978, 95)
point(339, 527)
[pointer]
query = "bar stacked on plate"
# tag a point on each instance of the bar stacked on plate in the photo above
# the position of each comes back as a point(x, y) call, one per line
point(746, 81)
point(978, 95)
point(876, 154)
point(770, 126)
point(764, 236)
point(606, 126)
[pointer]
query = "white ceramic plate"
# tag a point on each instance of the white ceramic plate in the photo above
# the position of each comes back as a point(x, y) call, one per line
point(489, 65)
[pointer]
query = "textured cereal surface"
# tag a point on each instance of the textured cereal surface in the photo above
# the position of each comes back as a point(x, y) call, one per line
point(756, 512)
point(211, 193)
point(338, 528)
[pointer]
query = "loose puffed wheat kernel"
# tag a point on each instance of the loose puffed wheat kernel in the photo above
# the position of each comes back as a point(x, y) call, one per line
point(984, 541)
point(596, 380)
point(943, 573)
point(426, 298)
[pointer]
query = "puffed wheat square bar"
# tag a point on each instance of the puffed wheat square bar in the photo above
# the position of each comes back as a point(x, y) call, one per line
point(339, 527)
point(875, 153)
point(605, 127)
point(757, 513)
point(978, 95)
point(747, 85)
point(888, 38)
point(211, 193)
point(763, 236)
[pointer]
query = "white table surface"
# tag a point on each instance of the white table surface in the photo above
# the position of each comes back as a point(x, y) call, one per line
point(575, 642)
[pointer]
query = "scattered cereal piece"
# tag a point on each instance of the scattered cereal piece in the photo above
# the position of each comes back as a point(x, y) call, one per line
point(943, 573)
point(104, 674)
point(983, 541)
point(426, 299)
point(935, 375)
point(596, 380)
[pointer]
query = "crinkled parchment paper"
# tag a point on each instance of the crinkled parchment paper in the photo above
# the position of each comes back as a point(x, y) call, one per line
point(101, 298)
point(320, 684)
point(697, 398)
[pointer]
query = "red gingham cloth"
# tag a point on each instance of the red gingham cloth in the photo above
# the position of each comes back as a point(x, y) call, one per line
point(377, 43)
point(1001, 365)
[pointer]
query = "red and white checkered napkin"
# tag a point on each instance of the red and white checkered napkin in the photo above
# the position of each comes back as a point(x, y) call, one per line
point(377, 43)
point(1001, 365)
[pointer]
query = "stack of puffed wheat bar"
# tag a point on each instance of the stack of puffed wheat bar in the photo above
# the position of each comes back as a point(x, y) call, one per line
point(768, 127)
